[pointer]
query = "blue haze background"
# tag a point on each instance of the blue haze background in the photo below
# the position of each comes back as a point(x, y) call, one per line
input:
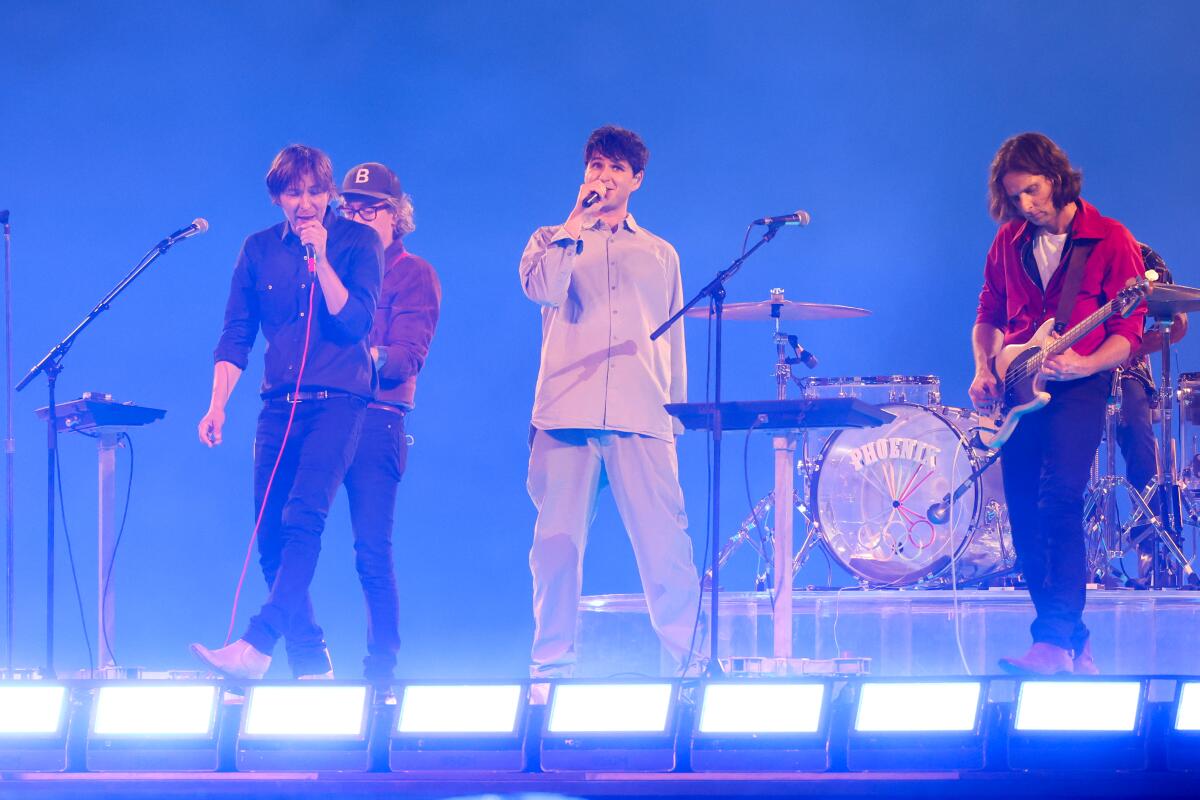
point(120, 122)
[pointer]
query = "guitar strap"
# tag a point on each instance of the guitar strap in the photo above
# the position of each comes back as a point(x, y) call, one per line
point(1071, 283)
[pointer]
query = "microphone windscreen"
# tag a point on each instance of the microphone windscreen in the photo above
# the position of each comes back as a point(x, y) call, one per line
point(201, 225)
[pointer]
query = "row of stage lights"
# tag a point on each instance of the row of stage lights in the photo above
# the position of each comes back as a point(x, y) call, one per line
point(719, 726)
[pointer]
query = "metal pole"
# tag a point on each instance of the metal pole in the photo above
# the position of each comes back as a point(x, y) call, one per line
point(10, 449)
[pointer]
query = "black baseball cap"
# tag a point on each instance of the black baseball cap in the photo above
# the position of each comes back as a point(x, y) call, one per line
point(372, 179)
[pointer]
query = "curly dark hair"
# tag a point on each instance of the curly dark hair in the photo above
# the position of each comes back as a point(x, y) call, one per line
point(1036, 154)
point(617, 144)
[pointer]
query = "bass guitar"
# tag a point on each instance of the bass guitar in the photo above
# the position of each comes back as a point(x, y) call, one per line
point(1019, 366)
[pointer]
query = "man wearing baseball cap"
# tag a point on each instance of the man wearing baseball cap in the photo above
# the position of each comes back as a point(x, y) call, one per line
point(399, 340)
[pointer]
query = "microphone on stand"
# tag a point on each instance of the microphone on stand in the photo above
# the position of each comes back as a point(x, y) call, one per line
point(800, 218)
point(805, 357)
point(938, 513)
point(199, 225)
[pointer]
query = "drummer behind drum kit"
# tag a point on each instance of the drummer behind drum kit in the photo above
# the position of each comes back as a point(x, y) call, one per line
point(912, 502)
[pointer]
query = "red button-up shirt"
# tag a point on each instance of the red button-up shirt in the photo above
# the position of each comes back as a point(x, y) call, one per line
point(1013, 300)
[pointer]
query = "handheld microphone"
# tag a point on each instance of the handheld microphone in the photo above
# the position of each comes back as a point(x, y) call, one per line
point(591, 198)
point(199, 225)
point(310, 257)
point(800, 218)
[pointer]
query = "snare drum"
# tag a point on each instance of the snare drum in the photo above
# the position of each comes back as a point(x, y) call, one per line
point(872, 493)
point(879, 389)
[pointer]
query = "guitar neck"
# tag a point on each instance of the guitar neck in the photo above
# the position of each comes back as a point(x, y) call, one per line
point(1085, 326)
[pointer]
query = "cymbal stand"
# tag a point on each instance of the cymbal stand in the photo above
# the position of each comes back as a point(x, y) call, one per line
point(774, 547)
point(1101, 512)
point(1165, 487)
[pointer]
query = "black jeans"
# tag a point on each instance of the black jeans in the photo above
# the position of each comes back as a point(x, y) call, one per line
point(1046, 466)
point(319, 450)
point(371, 485)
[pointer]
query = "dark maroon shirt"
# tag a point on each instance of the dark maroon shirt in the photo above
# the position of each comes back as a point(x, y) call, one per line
point(405, 319)
point(1014, 301)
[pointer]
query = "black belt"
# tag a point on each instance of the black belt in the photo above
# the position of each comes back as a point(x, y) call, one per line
point(302, 397)
point(388, 407)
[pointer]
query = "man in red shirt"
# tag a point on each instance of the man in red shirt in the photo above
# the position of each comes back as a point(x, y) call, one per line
point(1035, 195)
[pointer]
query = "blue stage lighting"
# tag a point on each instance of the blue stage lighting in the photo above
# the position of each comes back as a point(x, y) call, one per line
point(1187, 707)
point(1112, 706)
point(473, 726)
point(762, 707)
point(1183, 739)
point(918, 725)
point(610, 708)
point(31, 709)
point(33, 726)
point(949, 707)
point(154, 726)
point(762, 726)
point(312, 726)
point(1079, 724)
point(620, 726)
point(433, 709)
point(149, 710)
point(305, 712)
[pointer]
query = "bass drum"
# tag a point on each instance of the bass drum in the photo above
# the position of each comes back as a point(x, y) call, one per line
point(873, 489)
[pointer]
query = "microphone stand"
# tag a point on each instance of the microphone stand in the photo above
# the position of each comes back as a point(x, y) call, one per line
point(715, 291)
point(51, 364)
point(10, 450)
point(939, 513)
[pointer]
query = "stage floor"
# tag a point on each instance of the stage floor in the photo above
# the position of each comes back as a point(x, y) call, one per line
point(264, 786)
point(908, 632)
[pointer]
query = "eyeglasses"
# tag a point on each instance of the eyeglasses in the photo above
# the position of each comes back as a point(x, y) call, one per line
point(365, 213)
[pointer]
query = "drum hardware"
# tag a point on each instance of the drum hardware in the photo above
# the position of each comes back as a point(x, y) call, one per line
point(1101, 514)
point(1169, 564)
point(776, 308)
point(762, 543)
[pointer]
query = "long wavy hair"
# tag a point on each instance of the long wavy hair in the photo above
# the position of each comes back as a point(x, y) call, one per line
point(1036, 154)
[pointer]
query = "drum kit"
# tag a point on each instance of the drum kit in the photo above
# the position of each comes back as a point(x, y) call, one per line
point(866, 496)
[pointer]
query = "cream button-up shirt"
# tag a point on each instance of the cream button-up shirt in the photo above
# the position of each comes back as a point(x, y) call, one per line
point(601, 296)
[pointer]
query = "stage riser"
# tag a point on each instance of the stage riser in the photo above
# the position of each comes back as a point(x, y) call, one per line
point(906, 633)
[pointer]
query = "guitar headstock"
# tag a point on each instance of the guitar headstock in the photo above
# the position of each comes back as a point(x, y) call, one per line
point(1135, 292)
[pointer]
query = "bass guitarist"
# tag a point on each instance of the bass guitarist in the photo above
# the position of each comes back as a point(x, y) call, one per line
point(1053, 256)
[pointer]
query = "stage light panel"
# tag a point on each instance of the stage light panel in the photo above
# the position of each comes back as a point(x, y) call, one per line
point(918, 707)
point(299, 712)
point(1187, 710)
point(610, 708)
point(147, 710)
point(463, 709)
point(1078, 706)
point(764, 707)
point(30, 709)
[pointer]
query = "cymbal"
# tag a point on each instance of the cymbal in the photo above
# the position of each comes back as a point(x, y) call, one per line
point(788, 309)
point(1168, 299)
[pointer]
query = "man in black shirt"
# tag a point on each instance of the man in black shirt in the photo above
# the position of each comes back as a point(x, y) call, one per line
point(311, 283)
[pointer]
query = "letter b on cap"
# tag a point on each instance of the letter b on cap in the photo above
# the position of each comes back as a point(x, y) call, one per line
point(362, 176)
